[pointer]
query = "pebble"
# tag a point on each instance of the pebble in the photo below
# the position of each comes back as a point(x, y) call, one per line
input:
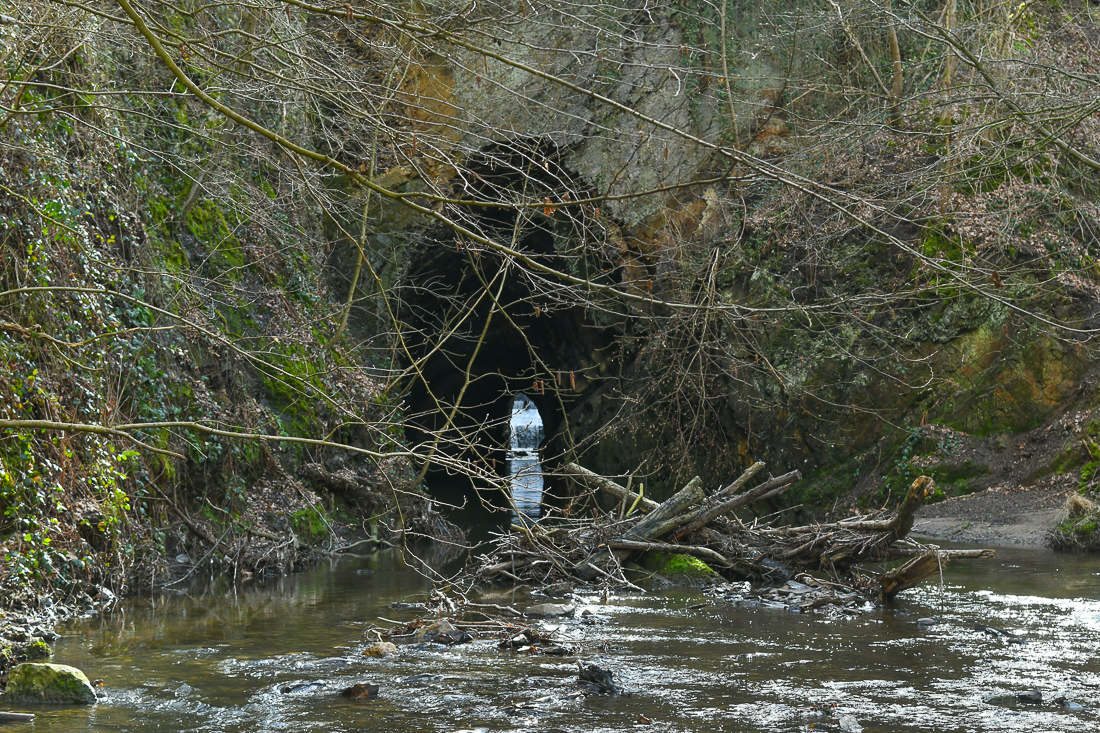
point(925, 622)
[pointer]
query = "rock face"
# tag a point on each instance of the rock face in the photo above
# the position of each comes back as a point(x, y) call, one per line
point(50, 683)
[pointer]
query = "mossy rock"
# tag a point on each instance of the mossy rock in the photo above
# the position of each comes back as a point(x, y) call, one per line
point(50, 683)
point(38, 649)
point(680, 569)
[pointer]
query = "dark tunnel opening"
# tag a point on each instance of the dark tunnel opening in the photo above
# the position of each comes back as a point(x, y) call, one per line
point(547, 347)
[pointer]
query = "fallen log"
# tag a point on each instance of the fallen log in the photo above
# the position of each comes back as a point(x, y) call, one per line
point(910, 574)
point(704, 552)
point(592, 550)
point(16, 717)
point(741, 480)
point(769, 488)
point(669, 515)
point(595, 482)
point(900, 552)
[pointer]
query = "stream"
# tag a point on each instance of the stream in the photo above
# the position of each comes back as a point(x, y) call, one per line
point(216, 657)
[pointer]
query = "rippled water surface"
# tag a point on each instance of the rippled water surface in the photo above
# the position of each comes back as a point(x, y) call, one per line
point(216, 660)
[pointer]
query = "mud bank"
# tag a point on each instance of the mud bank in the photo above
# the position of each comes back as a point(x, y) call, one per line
point(997, 516)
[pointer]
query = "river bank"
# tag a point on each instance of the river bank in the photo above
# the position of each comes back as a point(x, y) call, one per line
point(1000, 515)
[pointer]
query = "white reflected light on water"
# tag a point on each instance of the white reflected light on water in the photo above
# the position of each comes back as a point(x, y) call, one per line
point(273, 656)
point(524, 469)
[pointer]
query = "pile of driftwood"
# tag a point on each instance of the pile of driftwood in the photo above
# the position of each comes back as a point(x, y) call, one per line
point(701, 524)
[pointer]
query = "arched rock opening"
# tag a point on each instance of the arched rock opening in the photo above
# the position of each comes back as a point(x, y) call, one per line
point(535, 340)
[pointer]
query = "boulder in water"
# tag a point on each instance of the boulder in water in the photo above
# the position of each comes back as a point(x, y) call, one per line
point(441, 632)
point(1033, 697)
point(381, 649)
point(361, 691)
point(49, 683)
point(549, 610)
point(595, 679)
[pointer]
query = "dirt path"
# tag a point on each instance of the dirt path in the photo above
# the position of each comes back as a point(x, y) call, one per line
point(996, 516)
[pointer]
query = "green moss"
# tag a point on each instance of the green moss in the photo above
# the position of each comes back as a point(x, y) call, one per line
point(678, 567)
point(1077, 533)
point(53, 683)
point(38, 649)
point(310, 525)
point(954, 474)
point(208, 222)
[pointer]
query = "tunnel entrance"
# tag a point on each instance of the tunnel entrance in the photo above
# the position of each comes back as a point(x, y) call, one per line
point(481, 328)
point(525, 478)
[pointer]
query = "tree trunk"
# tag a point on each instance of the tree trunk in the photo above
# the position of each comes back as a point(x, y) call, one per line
point(899, 78)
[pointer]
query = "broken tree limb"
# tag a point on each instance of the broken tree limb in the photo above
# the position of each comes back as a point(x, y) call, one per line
point(741, 480)
point(16, 717)
point(595, 482)
point(902, 522)
point(771, 487)
point(900, 552)
point(704, 552)
point(662, 520)
point(921, 567)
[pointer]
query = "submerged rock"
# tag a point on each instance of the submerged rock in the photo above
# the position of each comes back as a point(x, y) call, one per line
point(549, 610)
point(52, 683)
point(361, 691)
point(1032, 697)
point(850, 725)
point(595, 679)
point(441, 632)
point(381, 649)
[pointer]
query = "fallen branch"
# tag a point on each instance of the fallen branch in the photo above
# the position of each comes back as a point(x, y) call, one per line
point(595, 482)
point(593, 550)
point(668, 547)
point(771, 487)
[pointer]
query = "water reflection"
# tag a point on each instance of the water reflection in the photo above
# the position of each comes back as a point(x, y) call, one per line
point(524, 469)
point(218, 659)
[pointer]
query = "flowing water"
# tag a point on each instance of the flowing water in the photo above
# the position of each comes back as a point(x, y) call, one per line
point(217, 657)
point(524, 470)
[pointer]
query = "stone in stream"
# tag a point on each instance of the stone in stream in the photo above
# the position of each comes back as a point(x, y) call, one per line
point(361, 691)
point(52, 683)
point(549, 610)
point(381, 649)
point(441, 632)
point(679, 569)
point(1032, 697)
point(595, 679)
point(997, 698)
point(926, 622)
point(850, 724)
point(296, 687)
point(1073, 707)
